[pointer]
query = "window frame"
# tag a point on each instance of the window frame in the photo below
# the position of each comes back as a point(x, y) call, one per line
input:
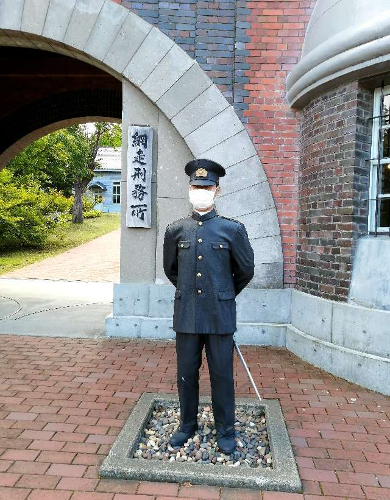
point(116, 184)
point(100, 199)
point(96, 191)
point(373, 184)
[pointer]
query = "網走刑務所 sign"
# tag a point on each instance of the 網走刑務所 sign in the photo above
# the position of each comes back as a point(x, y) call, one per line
point(139, 174)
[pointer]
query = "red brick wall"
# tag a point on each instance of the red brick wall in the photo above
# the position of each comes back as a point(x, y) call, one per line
point(277, 32)
point(336, 141)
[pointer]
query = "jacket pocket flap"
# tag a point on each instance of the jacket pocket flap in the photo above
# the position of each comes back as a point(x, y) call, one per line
point(226, 294)
point(177, 293)
point(220, 244)
point(183, 244)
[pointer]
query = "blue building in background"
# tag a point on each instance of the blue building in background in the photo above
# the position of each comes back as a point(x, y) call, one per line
point(105, 186)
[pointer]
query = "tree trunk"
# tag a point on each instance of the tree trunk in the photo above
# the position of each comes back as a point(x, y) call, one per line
point(81, 184)
point(77, 210)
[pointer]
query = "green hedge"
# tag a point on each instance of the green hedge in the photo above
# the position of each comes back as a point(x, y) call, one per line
point(28, 214)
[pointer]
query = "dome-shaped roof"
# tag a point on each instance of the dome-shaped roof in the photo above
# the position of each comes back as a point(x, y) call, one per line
point(345, 39)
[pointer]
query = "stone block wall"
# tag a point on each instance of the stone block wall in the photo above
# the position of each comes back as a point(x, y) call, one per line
point(247, 49)
point(334, 182)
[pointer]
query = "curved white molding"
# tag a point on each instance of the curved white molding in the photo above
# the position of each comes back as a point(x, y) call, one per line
point(353, 52)
point(109, 36)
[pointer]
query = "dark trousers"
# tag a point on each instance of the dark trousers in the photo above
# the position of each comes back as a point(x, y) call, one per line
point(219, 353)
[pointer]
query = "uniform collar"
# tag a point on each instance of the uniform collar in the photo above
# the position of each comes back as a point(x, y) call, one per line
point(208, 215)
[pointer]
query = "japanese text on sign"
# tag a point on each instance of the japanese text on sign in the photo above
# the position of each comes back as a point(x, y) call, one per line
point(139, 174)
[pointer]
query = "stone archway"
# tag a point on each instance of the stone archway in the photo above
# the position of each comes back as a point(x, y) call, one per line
point(119, 42)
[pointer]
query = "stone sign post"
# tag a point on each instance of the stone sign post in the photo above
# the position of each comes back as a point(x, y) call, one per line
point(139, 175)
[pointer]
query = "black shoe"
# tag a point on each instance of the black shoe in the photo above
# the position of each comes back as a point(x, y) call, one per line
point(227, 444)
point(225, 439)
point(182, 436)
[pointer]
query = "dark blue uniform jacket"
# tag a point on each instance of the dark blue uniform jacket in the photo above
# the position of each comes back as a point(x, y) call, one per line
point(210, 260)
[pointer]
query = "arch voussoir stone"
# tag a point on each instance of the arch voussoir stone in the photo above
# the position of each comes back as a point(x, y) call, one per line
point(234, 149)
point(57, 19)
point(82, 20)
point(241, 174)
point(171, 67)
point(150, 52)
point(216, 130)
point(197, 112)
point(109, 21)
point(120, 52)
point(188, 87)
point(34, 14)
point(11, 14)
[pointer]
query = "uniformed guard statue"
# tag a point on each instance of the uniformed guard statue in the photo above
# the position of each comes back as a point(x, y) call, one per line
point(209, 259)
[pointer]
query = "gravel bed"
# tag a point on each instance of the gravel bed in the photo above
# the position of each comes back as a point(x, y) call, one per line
point(252, 443)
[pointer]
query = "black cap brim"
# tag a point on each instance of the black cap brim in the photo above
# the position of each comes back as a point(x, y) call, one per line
point(202, 182)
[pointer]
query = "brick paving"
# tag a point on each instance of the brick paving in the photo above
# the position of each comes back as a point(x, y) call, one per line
point(64, 401)
point(96, 260)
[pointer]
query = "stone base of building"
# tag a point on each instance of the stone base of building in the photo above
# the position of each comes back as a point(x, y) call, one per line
point(370, 284)
point(145, 310)
point(347, 340)
point(161, 328)
point(371, 372)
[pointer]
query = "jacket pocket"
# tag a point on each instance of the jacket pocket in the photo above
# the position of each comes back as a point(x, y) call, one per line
point(220, 245)
point(226, 294)
point(177, 293)
point(183, 244)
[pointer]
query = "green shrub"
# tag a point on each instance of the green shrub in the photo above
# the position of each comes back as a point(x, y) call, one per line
point(89, 214)
point(88, 202)
point(27, 213)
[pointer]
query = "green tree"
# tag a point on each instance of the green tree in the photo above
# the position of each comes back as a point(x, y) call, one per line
point(114, 138)
point(65, 159)
point(44, 161)
point(83, 147)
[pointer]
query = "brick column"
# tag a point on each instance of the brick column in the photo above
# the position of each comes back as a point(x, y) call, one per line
point(336, 139)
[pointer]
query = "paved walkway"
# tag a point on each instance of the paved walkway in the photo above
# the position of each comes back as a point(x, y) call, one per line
point(64, 401)
point(69, 294)
point(67, 308)
point(96, 260)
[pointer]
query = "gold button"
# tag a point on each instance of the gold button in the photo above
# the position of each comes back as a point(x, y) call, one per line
point(199, 291)
point(200, 223)
point(199, 274)
point(200, 257)
point(200, 240)
point(220, 246)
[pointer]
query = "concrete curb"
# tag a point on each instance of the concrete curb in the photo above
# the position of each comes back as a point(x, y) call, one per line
point(283, 477)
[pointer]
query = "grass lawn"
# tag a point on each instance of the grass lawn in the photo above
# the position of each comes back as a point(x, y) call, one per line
point(64, 238)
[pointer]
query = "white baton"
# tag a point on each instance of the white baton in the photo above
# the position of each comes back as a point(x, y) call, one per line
point(247, 369)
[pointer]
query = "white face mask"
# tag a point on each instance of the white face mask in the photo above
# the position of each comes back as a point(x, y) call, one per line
point(201, 198)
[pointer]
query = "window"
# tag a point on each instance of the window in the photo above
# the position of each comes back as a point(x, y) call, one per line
point(379, 197)
point(97, 193)
point(116, 192)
